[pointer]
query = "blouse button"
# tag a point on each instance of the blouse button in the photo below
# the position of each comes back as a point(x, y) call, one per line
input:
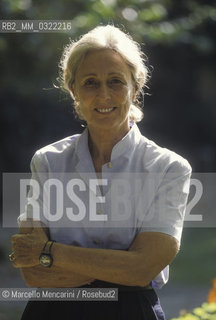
point(109, 165)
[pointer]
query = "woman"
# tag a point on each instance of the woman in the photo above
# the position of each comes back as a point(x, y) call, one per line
point(105, 72)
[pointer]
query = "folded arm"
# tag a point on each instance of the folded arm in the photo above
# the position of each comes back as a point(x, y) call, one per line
point(73, 266)
point(149, 254)
point(38, 276)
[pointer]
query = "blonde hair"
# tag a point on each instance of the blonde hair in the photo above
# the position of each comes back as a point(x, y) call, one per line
point(106, 37)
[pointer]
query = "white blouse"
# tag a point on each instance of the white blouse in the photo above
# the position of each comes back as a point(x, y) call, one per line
point(143, 188)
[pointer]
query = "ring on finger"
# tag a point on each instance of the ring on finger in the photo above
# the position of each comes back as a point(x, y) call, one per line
point(12, 256)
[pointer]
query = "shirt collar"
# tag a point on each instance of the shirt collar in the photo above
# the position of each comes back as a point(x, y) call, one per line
point(123, 148)
point(127, 144)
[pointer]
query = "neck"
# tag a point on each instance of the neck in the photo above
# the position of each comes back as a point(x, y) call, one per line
point(102, 142)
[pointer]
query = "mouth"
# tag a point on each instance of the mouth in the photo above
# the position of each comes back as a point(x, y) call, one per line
point(105, 110)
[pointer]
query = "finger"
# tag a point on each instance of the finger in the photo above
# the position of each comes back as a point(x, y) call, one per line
point(40, 229)
point(14, 238)
point(38, 226)
point(17, 237)
point(17, 264)
point(26, 226)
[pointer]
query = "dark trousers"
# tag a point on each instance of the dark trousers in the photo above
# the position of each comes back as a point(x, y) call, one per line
point(133, 304)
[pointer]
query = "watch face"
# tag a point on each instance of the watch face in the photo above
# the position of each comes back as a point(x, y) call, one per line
point(45, 260)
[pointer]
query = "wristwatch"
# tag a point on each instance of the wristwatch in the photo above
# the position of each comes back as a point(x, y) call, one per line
point(46, 259)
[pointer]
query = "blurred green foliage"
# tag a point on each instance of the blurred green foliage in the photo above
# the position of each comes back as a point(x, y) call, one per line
point(178, 37)
point(156, 20)
point(206, 312)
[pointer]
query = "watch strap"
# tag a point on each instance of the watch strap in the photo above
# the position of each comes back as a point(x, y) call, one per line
point(47, 247)
point(46, 259)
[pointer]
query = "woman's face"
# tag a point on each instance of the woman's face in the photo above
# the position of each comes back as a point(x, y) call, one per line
point(104, 90)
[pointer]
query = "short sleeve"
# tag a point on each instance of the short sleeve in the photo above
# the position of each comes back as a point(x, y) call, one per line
point(34, 206)
point(167, 209)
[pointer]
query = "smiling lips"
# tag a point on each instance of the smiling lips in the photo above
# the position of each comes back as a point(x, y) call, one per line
point(104, 110)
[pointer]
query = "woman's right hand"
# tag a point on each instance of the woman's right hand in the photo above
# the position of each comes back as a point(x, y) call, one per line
point(38, 276)
point(27, 247)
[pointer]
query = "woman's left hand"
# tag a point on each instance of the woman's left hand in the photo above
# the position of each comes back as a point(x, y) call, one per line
point(27, 247)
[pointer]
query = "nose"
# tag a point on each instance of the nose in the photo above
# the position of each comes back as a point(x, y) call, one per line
point(104, 91)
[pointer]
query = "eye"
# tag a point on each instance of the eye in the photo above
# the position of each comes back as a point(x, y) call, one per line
point(115, 81)
point(91, 83)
